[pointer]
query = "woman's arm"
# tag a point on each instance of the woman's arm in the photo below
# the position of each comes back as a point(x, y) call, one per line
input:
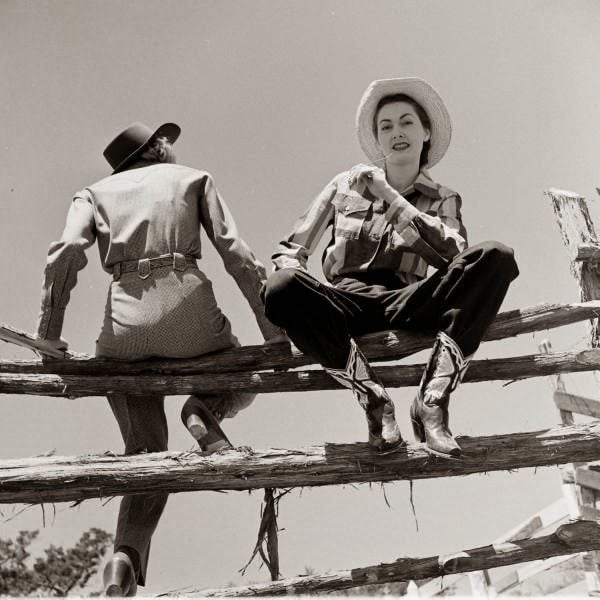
point(437, 238)
point(239, 260)
point(65, 258)
point(295, 249)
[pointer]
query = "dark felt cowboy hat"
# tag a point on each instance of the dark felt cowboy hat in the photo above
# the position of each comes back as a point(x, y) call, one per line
point(131, 142)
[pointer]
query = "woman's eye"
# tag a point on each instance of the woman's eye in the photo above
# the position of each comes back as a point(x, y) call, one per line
point(407, 122)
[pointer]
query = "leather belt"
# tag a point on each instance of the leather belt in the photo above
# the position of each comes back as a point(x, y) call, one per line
point(144, 266)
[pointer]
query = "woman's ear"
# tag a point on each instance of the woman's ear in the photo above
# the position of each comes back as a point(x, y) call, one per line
point(427, 136)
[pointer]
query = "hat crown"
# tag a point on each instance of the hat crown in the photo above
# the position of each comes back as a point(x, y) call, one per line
point(127, 143)
point(422, 93)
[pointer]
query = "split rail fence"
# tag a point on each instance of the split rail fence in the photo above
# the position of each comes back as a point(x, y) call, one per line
point(280, 368)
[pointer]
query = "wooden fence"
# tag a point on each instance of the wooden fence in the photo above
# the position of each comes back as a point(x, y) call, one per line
point(265, 369)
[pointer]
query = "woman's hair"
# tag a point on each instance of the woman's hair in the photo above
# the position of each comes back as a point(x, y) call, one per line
point(159, 150)
point(425, 122)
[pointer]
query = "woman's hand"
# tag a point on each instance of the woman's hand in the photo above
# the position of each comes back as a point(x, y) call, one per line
point(372, 177)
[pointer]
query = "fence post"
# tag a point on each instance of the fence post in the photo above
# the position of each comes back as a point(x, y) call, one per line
point(577, 230)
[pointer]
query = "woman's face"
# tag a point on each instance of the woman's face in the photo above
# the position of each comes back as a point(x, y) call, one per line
point(400, 134)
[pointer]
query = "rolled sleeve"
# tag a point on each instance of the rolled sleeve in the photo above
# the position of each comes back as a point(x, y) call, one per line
point(437, 238)
point(400, 212)
point(308, 230)
point(445, 232)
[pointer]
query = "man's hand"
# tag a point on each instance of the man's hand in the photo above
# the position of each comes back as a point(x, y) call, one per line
point(278, 339)
point(49, 349)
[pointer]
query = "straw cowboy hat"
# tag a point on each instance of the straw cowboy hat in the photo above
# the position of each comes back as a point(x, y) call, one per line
point(420, 91)
point(131, 142)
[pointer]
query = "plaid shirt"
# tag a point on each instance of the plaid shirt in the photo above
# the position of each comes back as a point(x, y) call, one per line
point(370, 235)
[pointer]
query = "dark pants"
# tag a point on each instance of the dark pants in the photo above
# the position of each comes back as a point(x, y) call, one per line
point(143, 425)
point(460, 300)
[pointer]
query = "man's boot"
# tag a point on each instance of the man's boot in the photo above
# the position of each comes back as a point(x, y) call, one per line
point(429, 411)
point(358, 376)
point(203, 424)
point(119, 576)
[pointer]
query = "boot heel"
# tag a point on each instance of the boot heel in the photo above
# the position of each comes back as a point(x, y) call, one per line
point(195, 425)
point(209, 446)
point(417, 425)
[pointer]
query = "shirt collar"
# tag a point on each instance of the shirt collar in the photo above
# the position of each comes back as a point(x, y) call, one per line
point(423, 184)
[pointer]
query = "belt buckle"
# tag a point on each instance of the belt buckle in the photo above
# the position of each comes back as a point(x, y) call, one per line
point(179, 262)
point(117, 271)
point(144, 268)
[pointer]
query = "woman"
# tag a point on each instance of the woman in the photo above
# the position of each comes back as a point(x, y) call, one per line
point(146, 217)
point(391, 222)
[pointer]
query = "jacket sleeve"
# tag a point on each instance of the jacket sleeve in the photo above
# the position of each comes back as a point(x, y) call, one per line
point(240, 262)
point(294, 250)
point(65, 258)
point(437, 238)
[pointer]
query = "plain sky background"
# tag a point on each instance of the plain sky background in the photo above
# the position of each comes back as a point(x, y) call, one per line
point(266, 92)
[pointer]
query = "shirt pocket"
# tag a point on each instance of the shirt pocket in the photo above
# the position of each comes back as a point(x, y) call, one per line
point(404, 241)
point(350, 214)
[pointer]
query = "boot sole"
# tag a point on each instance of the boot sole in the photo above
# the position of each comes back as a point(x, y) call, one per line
point(114, 591)
point(401, 444)
point(388, 448)
point(445, 455)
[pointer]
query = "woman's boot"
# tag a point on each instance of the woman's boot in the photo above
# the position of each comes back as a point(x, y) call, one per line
point(429, 411)
point(358, 376)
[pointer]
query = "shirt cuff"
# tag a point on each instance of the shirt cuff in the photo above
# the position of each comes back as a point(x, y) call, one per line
point(401, 213)
point(287, 262)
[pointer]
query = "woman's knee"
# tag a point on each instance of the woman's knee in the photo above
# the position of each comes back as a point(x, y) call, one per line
point(500, 257)
point(282, 292)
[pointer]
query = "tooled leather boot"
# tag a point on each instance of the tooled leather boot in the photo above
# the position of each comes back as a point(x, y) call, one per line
point(429, 411)
point(384, 434)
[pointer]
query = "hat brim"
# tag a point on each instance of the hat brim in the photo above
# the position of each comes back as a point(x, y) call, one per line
point(169, 130)
point(420, 91)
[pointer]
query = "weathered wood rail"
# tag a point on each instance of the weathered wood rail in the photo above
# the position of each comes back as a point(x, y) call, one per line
point(59, 479)
point(381, 346)
point(568, 538)
point(75, 386)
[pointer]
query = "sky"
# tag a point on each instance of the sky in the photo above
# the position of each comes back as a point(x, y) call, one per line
point(265, 93)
